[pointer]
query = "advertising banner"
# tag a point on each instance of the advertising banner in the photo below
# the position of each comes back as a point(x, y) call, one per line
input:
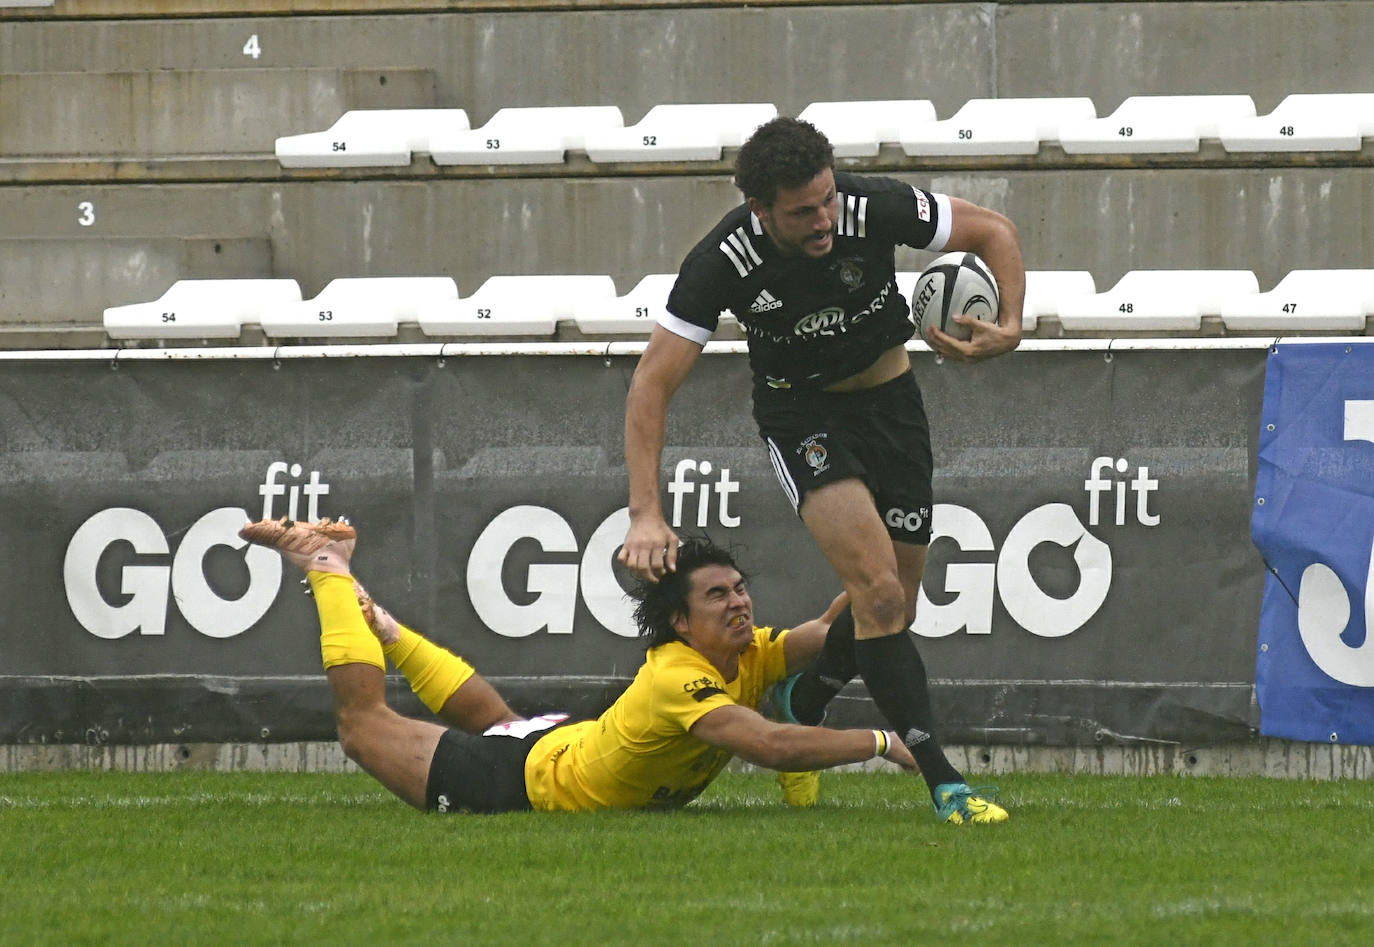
point(1091, 578)
point(1313, 522)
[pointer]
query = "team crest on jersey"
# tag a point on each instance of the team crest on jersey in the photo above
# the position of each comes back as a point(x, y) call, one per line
point(851, 274)
point(817, 457)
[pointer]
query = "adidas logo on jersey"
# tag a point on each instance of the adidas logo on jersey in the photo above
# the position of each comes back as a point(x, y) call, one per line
point(765, 303)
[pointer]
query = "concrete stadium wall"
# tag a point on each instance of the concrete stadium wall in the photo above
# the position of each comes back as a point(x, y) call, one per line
point(789, 55)
point(1105, 221)
point(55, 288)
point(1279, 759)
point(91, 108)
point(1109, 51)
point(188, 111)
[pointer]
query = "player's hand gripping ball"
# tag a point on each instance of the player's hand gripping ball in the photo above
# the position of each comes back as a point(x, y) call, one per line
point(955, 284)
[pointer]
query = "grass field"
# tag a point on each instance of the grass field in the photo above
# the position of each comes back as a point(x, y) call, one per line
point(200, 858)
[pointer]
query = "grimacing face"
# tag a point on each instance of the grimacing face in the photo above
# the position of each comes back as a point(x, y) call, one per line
point(720, 613)
point(801, 220)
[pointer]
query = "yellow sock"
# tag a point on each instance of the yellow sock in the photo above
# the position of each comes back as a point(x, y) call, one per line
point(344, 635)
point(434, 673)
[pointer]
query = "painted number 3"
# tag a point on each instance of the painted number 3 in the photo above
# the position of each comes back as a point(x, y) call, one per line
point(85, 213)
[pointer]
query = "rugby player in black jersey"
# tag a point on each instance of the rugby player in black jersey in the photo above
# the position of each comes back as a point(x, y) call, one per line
point(807, 266)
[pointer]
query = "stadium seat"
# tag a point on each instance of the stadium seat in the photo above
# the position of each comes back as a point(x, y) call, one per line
point(1047, 289)
point(358, 307)
point(1044, 290)
point(65, 283)
point(1145, 124)
point(524, 135)
point(201, 309)
point(997, 127)
point(859, 129)
point(680, 133)
point(1335, 121)
point(906, 284)
point(1156, 300)
point(635, 313)
point(369, 138)
point(1305, 299)
point(515, 305)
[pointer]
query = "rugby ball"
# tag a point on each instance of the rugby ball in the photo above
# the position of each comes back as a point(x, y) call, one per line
point(955, 284)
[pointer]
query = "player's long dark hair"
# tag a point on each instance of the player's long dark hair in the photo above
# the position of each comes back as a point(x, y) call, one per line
point(658, 603)
point(782, 154)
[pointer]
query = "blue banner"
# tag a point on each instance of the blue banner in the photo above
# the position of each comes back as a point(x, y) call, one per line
point(1313, 522)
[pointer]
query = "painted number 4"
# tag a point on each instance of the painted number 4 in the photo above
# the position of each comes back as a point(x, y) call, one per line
point(252, 48)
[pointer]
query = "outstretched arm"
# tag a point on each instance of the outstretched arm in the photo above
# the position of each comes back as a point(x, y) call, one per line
point(650, 547)
point(805, 641)
point(789, 747)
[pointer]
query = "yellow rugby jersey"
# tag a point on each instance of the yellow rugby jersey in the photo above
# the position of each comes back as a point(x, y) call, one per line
point(639, 753)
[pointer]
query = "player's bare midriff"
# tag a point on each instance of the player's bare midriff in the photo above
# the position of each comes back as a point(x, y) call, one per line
point(886, 367)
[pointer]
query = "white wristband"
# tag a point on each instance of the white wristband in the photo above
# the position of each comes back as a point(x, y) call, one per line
point(881, 744)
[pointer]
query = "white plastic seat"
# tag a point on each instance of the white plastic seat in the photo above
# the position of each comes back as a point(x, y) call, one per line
point(515, 305)
point(906, 284)
point(370, 138)
point(635, 313)
point(200, 309)
point(997, 127)
point(1146, 300)
point(859, 129)
point(680, 133)
point(1145, 124)
point(1336, 121)
point(1306, 299)
point(358, 307)
point(1046, 291)
point(525, 135)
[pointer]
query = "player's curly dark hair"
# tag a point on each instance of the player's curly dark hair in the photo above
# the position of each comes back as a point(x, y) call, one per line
point(782, 154)
point(658, 603)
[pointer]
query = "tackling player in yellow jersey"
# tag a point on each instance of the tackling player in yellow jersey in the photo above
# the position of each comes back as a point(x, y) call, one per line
point(691, 707)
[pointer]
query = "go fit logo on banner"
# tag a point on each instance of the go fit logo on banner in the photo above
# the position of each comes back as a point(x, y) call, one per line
point(149, 587)
point(548, 599)
point(974, 585)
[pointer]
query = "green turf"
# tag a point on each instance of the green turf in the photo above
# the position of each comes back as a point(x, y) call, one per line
point(114, 858)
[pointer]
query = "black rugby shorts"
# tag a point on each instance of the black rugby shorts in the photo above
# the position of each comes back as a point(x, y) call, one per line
point(879, 435)
point(483, 774)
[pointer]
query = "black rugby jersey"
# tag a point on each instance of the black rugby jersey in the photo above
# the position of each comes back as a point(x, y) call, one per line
point(811, 322)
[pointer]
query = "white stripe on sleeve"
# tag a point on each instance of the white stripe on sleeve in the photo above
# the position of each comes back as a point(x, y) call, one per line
point(944, 222)
point(688, 330)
